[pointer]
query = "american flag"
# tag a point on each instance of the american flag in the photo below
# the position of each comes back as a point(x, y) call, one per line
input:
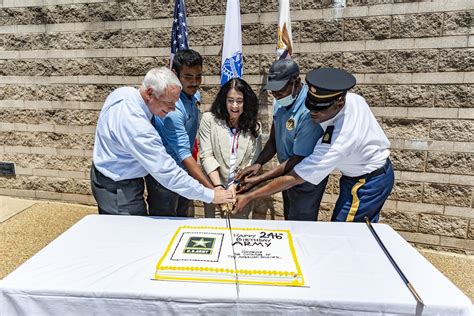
point(179, 33)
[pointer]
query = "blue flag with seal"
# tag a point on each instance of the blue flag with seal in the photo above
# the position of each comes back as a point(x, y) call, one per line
point(179, 33)
point(232, 63)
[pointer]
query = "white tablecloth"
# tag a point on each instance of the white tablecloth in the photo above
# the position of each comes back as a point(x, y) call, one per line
point(104, 265)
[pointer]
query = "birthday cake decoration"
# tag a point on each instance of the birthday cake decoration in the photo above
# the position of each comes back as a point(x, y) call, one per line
point(204, 254)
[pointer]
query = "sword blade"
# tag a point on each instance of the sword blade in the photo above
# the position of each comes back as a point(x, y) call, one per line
point(233, 254)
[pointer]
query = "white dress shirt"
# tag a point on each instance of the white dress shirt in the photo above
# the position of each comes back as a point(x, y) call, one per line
point(357, 145)
point(127, 146)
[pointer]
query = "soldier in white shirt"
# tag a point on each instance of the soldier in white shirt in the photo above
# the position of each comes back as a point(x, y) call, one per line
point(353, 142)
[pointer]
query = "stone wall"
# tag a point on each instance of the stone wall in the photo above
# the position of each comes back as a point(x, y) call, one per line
point(414, 64)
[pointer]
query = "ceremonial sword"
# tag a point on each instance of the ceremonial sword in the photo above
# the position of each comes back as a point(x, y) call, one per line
point(228, 211)
point(233, 253)
point(392, 261)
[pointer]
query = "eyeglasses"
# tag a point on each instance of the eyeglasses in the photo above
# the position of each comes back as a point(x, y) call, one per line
point(160, 99)
point(169, 103)
point(232, 101)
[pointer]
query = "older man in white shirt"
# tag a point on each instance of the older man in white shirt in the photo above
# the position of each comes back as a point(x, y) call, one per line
point(127, 147)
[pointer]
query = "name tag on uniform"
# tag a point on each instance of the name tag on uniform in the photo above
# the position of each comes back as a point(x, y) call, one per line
point(328, 135)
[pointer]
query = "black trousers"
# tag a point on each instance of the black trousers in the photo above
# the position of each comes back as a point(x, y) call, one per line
point(301, 202)
point(164, 202)
point(118, 197)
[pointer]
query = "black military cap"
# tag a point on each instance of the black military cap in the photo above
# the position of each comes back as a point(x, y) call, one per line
point(326, 85)
point(280, 72)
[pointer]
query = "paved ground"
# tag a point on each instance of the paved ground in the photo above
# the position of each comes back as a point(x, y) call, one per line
point(27, 226)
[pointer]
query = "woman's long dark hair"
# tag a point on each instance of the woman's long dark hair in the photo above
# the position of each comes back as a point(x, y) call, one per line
point(248, 118)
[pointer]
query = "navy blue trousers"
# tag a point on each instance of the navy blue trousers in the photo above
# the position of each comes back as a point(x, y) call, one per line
point(164, 202)
point(363, 196)
point(301, 202)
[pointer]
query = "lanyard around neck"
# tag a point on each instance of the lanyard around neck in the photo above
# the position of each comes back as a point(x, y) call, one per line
point(235, 140)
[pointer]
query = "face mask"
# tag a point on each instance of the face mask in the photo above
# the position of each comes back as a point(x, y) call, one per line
point(288, 100)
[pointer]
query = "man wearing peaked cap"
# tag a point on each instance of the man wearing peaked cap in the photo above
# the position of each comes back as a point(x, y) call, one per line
point(353, 142)
point(292, 138)
point(327, 85)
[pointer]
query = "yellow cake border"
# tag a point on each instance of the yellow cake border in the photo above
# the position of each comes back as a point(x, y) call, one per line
point(295, 282)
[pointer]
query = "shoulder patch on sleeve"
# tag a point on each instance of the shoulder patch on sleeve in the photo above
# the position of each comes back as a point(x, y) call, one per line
point(328, 135)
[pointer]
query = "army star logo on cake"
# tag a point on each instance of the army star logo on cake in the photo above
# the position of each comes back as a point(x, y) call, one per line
point(199, 245)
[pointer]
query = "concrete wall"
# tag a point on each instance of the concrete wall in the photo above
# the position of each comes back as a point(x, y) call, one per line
point(414, 64)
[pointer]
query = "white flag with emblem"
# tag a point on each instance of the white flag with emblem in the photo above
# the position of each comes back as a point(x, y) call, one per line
point(232, 63)
point(285, 41)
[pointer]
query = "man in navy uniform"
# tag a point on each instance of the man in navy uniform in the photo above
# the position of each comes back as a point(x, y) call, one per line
point(292, 137)
point(353, 142)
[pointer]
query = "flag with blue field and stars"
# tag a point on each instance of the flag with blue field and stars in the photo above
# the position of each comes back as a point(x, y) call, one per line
point(179, 33)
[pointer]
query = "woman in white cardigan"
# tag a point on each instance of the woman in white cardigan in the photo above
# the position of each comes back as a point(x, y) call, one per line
point(229, 137)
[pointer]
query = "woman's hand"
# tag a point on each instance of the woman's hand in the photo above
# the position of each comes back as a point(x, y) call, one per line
point(223, 196)
point(232, 188)
point(227, 207)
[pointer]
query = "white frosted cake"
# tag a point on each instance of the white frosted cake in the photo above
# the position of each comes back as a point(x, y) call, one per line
point(204, 254)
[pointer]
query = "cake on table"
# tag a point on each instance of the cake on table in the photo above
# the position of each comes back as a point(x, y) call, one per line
point(204, 254)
